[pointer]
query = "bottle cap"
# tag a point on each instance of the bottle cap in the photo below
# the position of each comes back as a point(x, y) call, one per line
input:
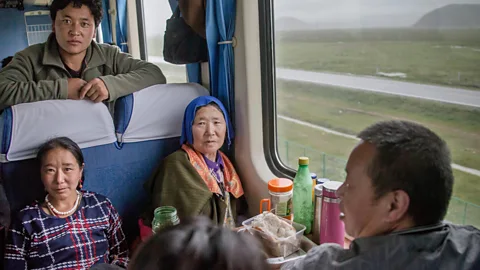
point(322, 180)
point(303, 161)
point(330, 189)
point(280, 185)
point(319, 190)
point(313, 175)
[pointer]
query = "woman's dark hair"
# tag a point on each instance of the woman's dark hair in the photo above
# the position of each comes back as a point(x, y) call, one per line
point(95, 7)
point(412, 158)
point(64, 143)
point(198, 244)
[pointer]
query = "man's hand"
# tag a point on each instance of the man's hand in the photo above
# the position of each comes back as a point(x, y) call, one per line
point(95, 90)
point(74, 87)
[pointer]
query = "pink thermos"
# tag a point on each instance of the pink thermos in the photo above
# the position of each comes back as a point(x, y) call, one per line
point(332, 229)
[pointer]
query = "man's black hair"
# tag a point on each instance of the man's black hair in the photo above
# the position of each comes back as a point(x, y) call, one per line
point(412, 158)
point(95, 7)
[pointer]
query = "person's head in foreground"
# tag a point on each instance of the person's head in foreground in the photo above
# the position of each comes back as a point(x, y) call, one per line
point(398, 177)
point(206, 126)
point(198, 244)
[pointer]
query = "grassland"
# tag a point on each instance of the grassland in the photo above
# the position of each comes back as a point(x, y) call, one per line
point(350, 111)
point(433, 57)
point(448, 57)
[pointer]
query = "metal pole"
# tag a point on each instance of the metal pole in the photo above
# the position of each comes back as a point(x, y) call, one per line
point(324, 164)
point(286, 148)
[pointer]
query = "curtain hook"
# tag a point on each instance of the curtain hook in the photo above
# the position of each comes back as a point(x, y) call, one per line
point(233, 42)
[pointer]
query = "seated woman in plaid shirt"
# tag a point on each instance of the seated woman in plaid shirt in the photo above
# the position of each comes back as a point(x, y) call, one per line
point(71, 229)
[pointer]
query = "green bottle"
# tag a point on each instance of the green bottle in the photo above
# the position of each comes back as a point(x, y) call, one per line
point(164, 216)
point(302, 195)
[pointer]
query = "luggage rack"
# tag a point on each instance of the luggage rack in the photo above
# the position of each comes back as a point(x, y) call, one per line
point(37, 32)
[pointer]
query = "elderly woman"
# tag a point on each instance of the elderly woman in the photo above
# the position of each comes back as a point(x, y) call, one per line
point(199, 179)
point(71, 228)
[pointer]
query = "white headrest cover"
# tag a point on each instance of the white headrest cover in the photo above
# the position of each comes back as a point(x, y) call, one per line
point(86, 123)
point(158, 111)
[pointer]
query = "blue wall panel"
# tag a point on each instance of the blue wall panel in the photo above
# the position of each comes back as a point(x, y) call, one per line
point(13, 35)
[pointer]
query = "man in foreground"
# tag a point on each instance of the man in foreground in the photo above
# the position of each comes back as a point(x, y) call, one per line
point(70, 65)
point(396, 194)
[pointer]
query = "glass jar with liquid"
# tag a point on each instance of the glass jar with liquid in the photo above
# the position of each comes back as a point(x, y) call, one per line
point(164, 216)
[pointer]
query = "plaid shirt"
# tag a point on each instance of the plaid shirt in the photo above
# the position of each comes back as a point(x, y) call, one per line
point(91, 235)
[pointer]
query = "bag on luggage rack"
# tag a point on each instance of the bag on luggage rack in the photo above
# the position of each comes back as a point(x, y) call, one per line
point(182, 45)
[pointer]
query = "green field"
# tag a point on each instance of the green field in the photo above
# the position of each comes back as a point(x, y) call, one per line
point(349, 111)
point(447, 57)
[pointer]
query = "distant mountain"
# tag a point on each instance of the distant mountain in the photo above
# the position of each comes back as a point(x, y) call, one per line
point(455, 16)
point(289, 24)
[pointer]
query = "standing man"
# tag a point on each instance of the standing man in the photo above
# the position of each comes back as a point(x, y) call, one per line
point(71, 65)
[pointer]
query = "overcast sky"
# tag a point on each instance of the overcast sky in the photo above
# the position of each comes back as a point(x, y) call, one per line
point(360, 13)
point(327, 13)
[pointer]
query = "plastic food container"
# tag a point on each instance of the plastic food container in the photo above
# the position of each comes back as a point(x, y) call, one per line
point(282, 247)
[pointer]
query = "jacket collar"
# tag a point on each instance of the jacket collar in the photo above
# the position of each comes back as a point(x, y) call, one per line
point(51, 55)
point(424, 237)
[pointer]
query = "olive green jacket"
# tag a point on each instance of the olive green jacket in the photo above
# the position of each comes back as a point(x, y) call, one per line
point(38, 73)
point(176, 183)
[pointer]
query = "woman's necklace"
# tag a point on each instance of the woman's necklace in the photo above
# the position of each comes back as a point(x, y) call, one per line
point(60, 213)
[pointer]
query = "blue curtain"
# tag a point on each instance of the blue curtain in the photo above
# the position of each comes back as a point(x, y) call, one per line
point(106, 29)
point(220, 24)
point(121, 23)
point(194, 71)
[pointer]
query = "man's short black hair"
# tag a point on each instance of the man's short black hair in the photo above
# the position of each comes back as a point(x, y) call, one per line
point(412, 158)
point(95, 7)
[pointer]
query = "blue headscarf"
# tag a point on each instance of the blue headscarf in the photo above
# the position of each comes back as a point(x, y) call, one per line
point(189, 116)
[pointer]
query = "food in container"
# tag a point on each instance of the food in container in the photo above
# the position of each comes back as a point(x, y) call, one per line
point(280, 236)
point(280, 201)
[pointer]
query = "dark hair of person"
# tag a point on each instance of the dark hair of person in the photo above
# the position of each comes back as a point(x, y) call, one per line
point(64, 143)
point(95, 7)
point(412, 158)
point(6, 61)
point(198, 244)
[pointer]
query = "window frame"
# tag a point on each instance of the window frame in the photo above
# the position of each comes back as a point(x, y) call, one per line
point(268, 89)
point(142, 38)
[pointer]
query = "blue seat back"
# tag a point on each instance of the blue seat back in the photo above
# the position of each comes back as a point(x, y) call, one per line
point(120, 153)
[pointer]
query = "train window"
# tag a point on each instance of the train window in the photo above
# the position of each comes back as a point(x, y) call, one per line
point(156, 14)
point(340, 66)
